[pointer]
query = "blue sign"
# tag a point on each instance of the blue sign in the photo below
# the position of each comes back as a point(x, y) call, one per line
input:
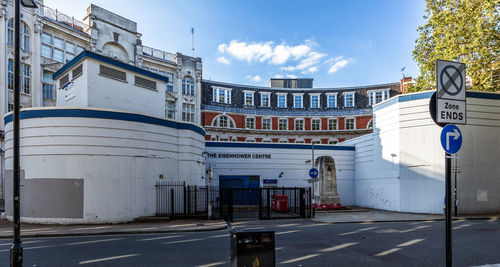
point(270, 181)
point(313, 173)
point(451, 139)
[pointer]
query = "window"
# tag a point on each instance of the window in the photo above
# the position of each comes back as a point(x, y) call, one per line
point(222, 95)
point(350, 123)
point(332, 142)
point(170, 84)
point(299, 141)
point(170, 109)
point(298, 101)
point(187, 112)
point(349, 99)
point(266, 124)
point(250, 123)
point(315, 124)
point(331, 100)
point(25, 35)
point(299, 124)
point(58, 49)
point(283, 124)
point(315, 101)
point(188, 86)
point(77, 72)
point(281, 100)
point(316, 142)
point(370, 124)
point(24, 77)
point(10, 74)
point(48, 86)
point(250, 140)
point(10, 32)
point(265, 99)
point(332, 124)
point(248, 98)
point(377, 96)
point(223, 121)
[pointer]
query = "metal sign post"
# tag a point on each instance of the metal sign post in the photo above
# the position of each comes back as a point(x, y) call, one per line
point(446, 107)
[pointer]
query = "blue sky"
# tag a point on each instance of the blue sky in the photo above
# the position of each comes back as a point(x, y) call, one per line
point(338, 43)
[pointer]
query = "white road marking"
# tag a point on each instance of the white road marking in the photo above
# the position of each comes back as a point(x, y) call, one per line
point(213, 264)
point(215, 236)
point(409, 243)
point(183, 241)
point(357, 231)
point(334, 248)
point(109, 258)
point(461, 226)
point(383, 253)
point(92, 228)
point(300, 258)
point(24, 242)
point(160, 237)
point(93, 241)
point(287, 232)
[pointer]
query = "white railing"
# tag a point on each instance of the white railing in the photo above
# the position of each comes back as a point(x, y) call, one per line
point(61, 17)
point(146, 50)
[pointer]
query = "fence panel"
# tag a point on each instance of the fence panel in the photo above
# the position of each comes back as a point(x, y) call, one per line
point(176, 199)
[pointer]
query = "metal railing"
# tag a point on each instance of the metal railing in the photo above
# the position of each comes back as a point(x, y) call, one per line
point(176, 199)
point(146, 50)
point(54, 14)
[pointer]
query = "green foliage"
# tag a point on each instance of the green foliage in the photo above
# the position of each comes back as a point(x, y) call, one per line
point(467, 31)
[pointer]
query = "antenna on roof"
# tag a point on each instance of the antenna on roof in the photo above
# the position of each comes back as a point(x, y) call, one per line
point(402, 71)
point(192, 41)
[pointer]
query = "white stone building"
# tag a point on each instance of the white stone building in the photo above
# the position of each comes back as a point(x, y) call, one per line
point(50, 39)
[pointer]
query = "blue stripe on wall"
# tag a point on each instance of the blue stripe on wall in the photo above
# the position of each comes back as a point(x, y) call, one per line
point(103, 114)
point(278, 145)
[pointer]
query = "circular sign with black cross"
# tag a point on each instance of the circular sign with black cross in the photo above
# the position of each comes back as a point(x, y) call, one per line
point(450, 80)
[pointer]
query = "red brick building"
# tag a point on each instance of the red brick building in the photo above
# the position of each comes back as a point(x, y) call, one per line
point(242, 113)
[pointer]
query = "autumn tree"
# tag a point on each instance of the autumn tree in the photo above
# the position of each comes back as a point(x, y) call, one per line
point(467, 31)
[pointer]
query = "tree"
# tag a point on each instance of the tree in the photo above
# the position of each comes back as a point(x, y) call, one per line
point(467, 31)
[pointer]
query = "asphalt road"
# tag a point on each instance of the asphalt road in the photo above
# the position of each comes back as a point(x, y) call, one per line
point(298, 243)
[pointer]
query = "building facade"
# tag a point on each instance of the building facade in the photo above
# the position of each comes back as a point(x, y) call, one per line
point(50, 39)
point(243, 113)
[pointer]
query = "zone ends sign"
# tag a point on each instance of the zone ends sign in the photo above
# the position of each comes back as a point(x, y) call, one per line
point(450, 93)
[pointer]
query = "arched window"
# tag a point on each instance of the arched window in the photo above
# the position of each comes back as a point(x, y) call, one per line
point(223, 121)
point(187, 85)
point(10, 32)
point(25, 35)
point(370, 124)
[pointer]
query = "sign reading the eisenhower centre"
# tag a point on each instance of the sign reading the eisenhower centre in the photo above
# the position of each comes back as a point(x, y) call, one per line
point(238, 156)
point(450, 104)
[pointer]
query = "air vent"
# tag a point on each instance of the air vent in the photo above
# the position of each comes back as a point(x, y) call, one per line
point(63, 81)
point(145, 83)
point(77, 72)
point(112, 73)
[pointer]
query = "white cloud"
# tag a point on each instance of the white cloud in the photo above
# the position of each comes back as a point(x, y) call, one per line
point(291, 76)
point(266, 51)
point(310, 70)
point(223, 60)
point(312, 59)
point(278, 76)
point(339, 63)
point(255, 78)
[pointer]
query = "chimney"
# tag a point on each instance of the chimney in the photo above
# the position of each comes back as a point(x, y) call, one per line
point(405, 84)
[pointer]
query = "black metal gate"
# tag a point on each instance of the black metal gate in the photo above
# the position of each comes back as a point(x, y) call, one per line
point(265, 203)
point(176, 199)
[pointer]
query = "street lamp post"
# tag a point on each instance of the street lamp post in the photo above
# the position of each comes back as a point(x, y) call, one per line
point(16, 251)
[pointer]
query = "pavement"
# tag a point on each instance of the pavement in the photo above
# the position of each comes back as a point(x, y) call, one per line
point(156, 225)
point(361, 215)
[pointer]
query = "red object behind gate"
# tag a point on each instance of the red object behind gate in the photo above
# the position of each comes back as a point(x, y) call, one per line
point(279, 202)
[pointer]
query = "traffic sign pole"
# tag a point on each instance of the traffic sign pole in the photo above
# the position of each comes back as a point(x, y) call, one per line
point(448, 210)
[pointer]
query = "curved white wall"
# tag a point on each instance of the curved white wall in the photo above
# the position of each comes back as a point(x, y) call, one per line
point(112, 158)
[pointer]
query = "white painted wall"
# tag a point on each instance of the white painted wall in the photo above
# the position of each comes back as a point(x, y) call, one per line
point(94, 90)
point(287, 160)
point(400, 166)
point(119, 161)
